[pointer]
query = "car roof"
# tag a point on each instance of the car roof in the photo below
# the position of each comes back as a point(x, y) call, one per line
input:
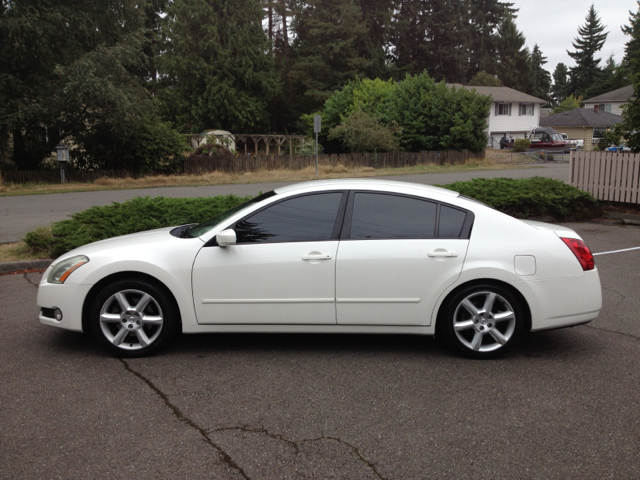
point(363, 183)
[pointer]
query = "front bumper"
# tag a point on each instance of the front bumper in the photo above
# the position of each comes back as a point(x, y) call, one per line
point(69, 298)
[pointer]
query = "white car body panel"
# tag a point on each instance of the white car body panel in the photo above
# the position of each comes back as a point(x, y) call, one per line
point(557, 291)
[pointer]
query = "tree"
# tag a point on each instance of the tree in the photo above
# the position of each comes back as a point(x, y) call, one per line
point(591, 38)
point(361, 132)
point(68, 70)
point(514, 68)
point(540, 77)
point(326, 56)
point(568, 103)
point(560, 88)
point(216, 69)
point(483, 79)
point(632, 47)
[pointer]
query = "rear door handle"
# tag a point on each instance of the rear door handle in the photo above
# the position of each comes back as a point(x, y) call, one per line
point(317, 256)
point(441, 252)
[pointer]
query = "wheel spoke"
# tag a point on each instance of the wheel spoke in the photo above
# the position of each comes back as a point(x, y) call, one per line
point(471, 308)
point(110, 318)
point(489, 301)
point(120, 336)
point(502, 316)
point(142, 337)
point(122, 301)
point(152, 320)
point(459, 326)
point(142, 303)
point(501, 339)
point(477, 341)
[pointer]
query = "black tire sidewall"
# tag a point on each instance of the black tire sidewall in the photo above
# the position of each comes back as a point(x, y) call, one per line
point(170, 312)
point(446, 319)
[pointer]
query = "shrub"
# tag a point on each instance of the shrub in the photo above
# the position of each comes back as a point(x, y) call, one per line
point(530, 197)
point(136, 215)
point(521, 145)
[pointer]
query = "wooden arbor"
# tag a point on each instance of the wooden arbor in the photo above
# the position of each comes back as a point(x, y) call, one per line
point(270, 142)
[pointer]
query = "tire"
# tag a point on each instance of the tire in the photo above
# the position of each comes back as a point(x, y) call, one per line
point(482, 321)
point(134, 318)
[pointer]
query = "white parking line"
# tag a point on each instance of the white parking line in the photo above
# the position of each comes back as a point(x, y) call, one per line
point(617, 251)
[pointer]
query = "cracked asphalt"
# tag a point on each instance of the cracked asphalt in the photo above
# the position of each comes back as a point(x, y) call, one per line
point(562, 405)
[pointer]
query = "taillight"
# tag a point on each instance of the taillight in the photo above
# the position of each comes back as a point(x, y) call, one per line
point(581, 251)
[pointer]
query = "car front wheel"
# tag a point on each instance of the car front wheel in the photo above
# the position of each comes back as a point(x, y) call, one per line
point(482, 321)
point(134, 318)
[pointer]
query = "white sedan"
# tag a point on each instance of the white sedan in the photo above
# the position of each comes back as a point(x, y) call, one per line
point(332, 256)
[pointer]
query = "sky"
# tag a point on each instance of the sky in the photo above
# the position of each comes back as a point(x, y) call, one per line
point(553, 25)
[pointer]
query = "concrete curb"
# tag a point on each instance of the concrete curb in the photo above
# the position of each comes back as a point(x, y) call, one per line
point(626, 218)
point(8, 267)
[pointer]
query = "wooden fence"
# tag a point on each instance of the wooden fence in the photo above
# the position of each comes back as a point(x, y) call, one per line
point(200, 164)
point(607, 176)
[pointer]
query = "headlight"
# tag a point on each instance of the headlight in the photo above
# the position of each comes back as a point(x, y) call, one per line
point(61, 271)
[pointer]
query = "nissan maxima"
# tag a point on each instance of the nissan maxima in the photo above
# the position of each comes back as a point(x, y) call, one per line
point(331, 256)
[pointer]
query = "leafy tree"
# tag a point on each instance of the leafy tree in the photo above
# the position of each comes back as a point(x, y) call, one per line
point(327, 36)
point(483, 79)
point(540, 77)
point(630, 126)
point(361, 132)
point(560, 88)
point(568, 103)
point(514, 69)
point(69, 70)
point(591, 38)
point(217, 73)
point(435, 117)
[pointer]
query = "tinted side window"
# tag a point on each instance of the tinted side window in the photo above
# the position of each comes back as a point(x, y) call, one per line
point(391, 216)
point(300, 219)
point(451, 222)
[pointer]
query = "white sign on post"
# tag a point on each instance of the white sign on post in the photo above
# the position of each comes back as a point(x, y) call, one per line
point(316, 129)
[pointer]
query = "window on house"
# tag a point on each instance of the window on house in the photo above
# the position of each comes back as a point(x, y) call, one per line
point(605, 107)
point(503, 109)
point(526, 109)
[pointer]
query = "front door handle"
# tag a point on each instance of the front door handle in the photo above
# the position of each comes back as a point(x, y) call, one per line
point(441, 252)
point(317, 256)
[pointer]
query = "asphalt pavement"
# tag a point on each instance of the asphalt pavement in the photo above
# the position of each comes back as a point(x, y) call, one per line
point(21, 214)
point(562, 405)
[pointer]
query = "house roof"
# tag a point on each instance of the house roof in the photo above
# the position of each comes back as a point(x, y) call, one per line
point(501, 94)
point(623, 94)
point(581, 117)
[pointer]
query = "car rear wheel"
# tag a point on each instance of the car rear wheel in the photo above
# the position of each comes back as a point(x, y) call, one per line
point(134, 318)
point(482, 321)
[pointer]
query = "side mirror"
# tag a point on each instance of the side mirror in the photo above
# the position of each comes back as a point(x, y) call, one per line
point(226, 238)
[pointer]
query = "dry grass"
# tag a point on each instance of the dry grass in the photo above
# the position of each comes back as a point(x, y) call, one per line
point(11, 252)
point(264, 176)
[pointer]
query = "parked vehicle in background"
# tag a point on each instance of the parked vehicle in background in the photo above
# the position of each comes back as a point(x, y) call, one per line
point(619, 148)
point(575, 144)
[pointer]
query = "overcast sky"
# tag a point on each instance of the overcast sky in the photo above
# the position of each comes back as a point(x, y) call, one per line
point(553, 25)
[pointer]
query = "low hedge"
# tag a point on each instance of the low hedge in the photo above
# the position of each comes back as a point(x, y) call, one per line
point(136, 215)
point(524, 198)
point(530, 197)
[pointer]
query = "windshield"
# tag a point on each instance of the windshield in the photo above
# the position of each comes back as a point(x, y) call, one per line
point(204, 227)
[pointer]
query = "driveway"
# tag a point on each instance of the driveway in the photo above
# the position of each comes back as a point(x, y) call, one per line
point(21, 214)
point(562, 405)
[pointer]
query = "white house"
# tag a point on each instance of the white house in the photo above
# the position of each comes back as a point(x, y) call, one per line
point(611, 102)
point(513, 113)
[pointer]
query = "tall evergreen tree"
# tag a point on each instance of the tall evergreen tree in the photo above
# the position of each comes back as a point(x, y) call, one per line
point(560, 88)
point(540, 77)
point(632, 47)
point(587, 72)
point(327, 36)
point(513, 68)
point(376, 15)
point(216, 67)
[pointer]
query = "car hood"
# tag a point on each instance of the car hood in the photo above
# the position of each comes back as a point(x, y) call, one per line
point(560, 230)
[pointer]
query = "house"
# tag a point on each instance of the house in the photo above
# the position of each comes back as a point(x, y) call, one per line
point(583, 124)
point(611, 102)
point(512, 113)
